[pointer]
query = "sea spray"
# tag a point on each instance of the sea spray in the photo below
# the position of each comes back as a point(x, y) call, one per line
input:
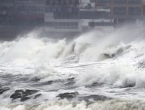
point(96, 68)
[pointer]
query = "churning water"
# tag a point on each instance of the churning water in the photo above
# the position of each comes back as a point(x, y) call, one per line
point(95, 71)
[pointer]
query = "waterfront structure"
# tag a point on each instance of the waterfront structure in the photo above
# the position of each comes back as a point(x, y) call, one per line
point(22, 12)
point(19, 16)
point(62, 16)
point(76, 17)
point(123, 10)
point(29, 12)
point(98, 19)
point(6, 12)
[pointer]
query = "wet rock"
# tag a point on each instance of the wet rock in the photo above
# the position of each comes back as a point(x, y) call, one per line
point(68, 95)
point(112, 55)
point(47, 83)
point(119, 51)
point(129, 85)
point(36, 96)
point(141, 64)
point(96, 84)
point(17, 94)
point(29, 92)
point(128, 82)
point(35, 79)
point(70, 81)
point(107, 55)
point(24, 99)
point(95, 97)
point(23, 95)
point(2, 90)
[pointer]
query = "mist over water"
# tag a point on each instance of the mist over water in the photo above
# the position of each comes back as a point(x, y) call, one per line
point(94, 71)
point(88, 46)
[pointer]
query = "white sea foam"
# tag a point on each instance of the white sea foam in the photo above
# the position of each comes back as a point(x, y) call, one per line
point(114, 60)
point(65, 105)
point(123, 48)
point(87, 47)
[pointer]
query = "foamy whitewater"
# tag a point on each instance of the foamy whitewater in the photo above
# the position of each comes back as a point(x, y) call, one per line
point(94, 71)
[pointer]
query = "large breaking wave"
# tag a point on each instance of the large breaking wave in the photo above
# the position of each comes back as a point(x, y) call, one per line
point(87, 47)
point(92, 67)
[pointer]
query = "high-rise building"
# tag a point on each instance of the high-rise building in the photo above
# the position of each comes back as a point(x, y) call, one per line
point(62, 16)
point(18, 16)
point(6, 11)
point(75, 16)
point(123, 10)
point(70, 16)
point(29, 12)
point(22, 12)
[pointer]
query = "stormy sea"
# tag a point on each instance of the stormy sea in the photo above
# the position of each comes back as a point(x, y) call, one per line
point(93, 71)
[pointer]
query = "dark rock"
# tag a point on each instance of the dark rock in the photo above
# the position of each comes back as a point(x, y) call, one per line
point(95, 97)
point(35, 79)
point(96, 84)
point(68, 95)
point(17, 94)
point(119, 51)
point(23, 95)
point(36, 96)
point(107, 55)
point(141, 64)
point(47, 83)
point(70, 81)
point(128, 83)
point(28, 92)
point(24, 99)
point(2, 90)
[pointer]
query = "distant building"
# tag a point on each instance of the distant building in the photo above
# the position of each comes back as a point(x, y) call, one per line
point(123, 10)
point(96, 19)
point(63, 16)
point(22, 12)
point(29, 12)
point(6, 11)
point(75, 16)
